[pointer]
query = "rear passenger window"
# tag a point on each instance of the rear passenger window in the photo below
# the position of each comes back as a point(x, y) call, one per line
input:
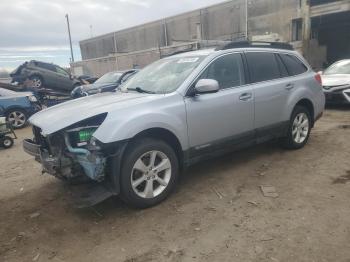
point(293, 64)
point(262, 66)
point(227, 70)
point(46, 66)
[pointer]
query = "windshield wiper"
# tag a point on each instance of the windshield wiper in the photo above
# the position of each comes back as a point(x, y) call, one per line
point(140, 90)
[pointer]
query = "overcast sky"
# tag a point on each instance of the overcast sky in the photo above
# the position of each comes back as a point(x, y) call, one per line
point(36, 29)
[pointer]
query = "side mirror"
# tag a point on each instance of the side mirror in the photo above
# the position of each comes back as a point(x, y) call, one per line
point(207, 86)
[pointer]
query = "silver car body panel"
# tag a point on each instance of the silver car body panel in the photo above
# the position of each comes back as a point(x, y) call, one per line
point(128, 114)
point(195, 121)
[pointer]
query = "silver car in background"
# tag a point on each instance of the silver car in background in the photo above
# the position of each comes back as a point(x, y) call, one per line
point(336, 82)
point(175, 112)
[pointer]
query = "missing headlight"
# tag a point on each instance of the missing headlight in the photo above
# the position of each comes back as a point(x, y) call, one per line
point(92, 121)
point(81, 136)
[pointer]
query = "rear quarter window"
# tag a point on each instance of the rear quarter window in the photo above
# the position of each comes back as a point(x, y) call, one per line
point(293, 65)
point(46, 66)
point(263, 66)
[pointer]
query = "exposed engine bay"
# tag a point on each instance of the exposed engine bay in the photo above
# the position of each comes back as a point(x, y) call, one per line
point(71, 153)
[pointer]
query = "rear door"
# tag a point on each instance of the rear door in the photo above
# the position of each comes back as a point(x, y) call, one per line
point(271, 87)
point(48, 72)
point(223, 119)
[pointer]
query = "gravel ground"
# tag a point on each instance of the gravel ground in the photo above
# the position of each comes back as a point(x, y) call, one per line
point(218, 212)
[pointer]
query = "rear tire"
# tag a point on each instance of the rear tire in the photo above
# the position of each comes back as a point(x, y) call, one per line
point(7, 142)
point(38, 81)
point(149, 173)
point(298, 130)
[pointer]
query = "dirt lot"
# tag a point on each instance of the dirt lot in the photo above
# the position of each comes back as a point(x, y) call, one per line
point(218, 212)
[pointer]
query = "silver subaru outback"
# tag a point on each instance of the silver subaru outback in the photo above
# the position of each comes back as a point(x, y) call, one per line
point(175, 112)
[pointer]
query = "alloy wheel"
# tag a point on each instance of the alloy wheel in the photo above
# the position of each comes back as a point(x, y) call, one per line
point(17, 119)
point(36, 82)
point(151, 174)
point(300, 129)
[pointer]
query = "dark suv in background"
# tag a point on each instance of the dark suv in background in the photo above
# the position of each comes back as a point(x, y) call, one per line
point(107, 83)
point(45, 75)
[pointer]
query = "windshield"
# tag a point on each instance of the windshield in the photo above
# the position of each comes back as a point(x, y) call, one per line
point(342, 67)
point(163, 76)
point(111, 77)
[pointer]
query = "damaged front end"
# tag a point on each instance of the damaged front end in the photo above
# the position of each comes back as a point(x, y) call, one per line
point(71, 154)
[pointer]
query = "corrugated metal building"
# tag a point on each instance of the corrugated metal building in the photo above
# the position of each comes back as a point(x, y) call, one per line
point(308, 24)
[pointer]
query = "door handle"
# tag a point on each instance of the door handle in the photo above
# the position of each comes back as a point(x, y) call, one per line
point(289, 86)
point(246, 96)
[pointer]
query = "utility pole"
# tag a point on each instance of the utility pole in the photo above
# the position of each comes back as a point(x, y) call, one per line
point(306, 27)
point(246, 19)
point(91, 35)
point(70, 39)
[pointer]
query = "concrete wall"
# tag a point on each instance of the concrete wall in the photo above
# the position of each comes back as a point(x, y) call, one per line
point(219, 22)
point(97, 47)
point(118, 61)
point(225, 21)
point(272, 17)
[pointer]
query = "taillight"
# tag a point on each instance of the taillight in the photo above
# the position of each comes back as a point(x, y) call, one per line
point(318, 78)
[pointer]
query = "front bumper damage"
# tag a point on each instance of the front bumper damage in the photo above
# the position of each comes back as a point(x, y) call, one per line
point(68, 162)
point(337, 95)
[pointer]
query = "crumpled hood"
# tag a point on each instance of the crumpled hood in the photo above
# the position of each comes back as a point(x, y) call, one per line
point(66, 114)
point(335, 80)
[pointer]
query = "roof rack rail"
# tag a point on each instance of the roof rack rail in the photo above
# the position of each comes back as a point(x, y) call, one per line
point(256, 44)
point(177, 53)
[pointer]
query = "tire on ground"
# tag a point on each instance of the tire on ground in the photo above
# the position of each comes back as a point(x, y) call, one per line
point(15, 111)
point(135, 150)
point(289, 142)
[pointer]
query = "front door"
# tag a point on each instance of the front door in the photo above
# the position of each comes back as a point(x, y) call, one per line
point(226, 118)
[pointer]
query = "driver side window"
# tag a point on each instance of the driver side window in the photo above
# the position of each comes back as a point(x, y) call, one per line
point(227, 70)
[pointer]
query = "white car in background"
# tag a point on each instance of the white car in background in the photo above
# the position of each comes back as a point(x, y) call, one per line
point(336, 82)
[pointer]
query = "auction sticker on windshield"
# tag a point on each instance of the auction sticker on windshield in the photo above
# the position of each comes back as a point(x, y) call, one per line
point(188, 60)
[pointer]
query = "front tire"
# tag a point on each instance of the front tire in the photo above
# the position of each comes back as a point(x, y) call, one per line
point(299, 129)
point(149, 173)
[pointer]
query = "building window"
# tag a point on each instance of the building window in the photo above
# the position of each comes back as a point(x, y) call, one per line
point(297, 25)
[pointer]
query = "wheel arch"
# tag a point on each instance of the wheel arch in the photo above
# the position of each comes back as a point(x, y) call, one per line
point(165, 135)
point(13, 108)
point(309, 106)
point(37, 74)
